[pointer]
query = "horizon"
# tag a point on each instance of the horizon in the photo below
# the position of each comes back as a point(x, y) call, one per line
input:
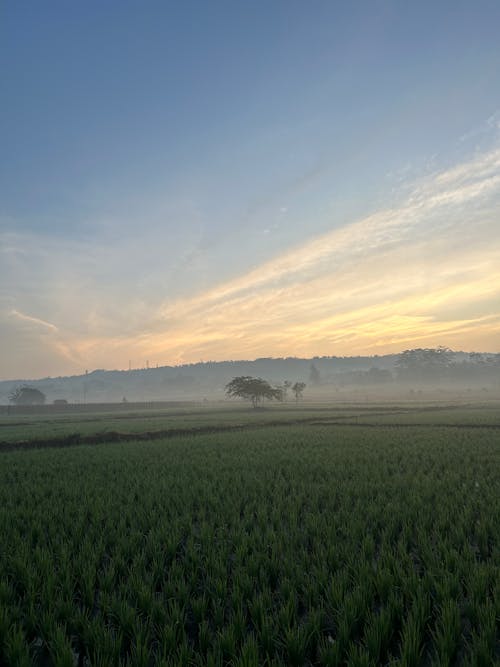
point(189, 182)
point(155, 367)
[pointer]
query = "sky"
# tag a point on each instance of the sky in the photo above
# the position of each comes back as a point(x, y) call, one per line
point(186, 181)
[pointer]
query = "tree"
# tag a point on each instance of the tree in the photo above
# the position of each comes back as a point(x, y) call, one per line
point(25, 395)
point(286, 386)
point(281, 391)
point(298, 390)
point(424, 363)
point(253, 389)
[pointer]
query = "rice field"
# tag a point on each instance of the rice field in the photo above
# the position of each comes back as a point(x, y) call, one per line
point(276, 544)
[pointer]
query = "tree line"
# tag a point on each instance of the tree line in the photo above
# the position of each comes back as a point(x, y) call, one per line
point(425, 365)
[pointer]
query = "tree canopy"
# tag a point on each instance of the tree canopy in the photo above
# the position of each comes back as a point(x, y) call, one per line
point(25, 395)
point(298, 389)
point(424, 363)
point(253, 389)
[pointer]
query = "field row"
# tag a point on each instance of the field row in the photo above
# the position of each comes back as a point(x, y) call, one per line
point(40, 428)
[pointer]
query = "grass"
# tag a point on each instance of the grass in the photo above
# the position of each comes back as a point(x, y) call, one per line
point(20, 428)
point(291, 544)
point(97, 425)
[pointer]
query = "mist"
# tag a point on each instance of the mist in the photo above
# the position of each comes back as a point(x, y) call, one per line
point(430, 374)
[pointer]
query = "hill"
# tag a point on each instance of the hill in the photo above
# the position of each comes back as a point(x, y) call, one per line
point(207, 379)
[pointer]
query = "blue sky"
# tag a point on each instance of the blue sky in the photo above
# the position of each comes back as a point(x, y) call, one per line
point(155, 153)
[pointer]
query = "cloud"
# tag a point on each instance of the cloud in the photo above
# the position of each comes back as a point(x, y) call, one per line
point(488, 127)
point(423, 215)
point(494, 120)
point(33, 320)
point(426, 271)
point(396, 267)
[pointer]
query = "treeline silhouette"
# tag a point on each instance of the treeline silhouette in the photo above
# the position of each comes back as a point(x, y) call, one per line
point(431, 366)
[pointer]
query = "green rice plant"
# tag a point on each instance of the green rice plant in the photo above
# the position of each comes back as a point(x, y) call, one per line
point(488, 624)
point(103, 645)
point(479, 652)
point(421, 607)
point(383, 582)
point(329, 652)
point(243, 585)
point(199, 606)
point(60, 649)
point(266, 637)
point(46, 625)
point(411, 644)
point(123, 619)
point(7, 595)
point(184, 655)
point(176, 615)
point(259, 609)
point(87, 581)
point(15, 648)
point(446, 633)
point(140, 650)
point(249, 653)
point(295, 643)
point(334, 592)
point(107, 578)
point(480, 581)
point(144, 599)
point(287, 614)
point(396, 608)
point(64, 611)
point(314, 625)
point(19, 574)
point(214, 658)
point(227, 642)
point(238, 620)
point(218, 613)
point(5, 623)
point(204, 636)
point(378, 633)
point(358, 656)
point(350, 616)
point(446, 586)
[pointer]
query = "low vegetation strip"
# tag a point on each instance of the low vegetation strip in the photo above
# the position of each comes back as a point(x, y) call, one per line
point(74, 439)
point(341, 422)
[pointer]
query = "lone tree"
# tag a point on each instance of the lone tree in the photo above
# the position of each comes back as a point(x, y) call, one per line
point(253, 389)
point(298, 390)
point(25, 395)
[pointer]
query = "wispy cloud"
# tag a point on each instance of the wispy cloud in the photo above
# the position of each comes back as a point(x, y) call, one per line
point(424, 272)
point(424, 220)
point(33, 320)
